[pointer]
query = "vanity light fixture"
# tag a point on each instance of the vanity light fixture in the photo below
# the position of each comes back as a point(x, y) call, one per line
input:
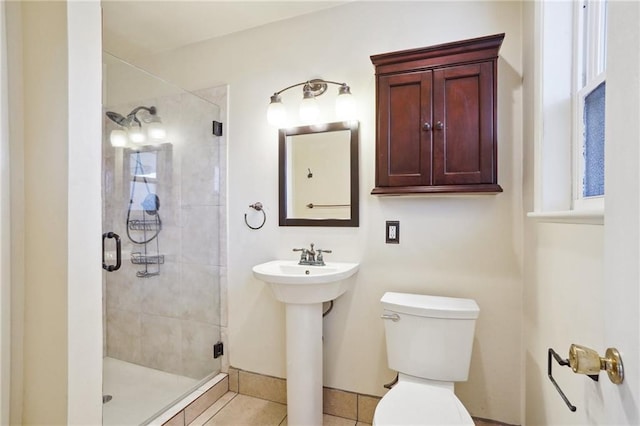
point(131, 130)
point(309, 111)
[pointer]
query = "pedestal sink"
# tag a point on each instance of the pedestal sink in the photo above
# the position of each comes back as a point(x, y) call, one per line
point(303, 289)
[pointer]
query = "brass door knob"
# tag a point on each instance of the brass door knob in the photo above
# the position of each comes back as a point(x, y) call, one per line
point(585, 360)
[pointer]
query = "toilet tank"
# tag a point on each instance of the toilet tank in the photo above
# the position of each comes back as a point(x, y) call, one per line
point(432, 336)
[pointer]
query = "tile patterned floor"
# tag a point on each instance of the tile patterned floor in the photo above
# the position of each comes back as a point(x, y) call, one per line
point(242, 410)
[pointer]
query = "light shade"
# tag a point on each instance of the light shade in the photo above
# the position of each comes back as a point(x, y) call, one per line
point(118, 138)
point(309, 111)
point(345, 104)
point(156, 131)
point(136, 135)
point(276, 114)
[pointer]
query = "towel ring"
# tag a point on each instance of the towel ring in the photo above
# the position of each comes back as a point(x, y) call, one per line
point(257, 207)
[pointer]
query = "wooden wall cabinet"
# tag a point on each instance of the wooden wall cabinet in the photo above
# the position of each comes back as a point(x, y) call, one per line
point(436, 118)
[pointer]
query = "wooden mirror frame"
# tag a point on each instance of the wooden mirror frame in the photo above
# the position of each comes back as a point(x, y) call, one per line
point(353, 127)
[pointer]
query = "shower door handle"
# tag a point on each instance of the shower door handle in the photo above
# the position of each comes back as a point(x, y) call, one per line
point(111, 268)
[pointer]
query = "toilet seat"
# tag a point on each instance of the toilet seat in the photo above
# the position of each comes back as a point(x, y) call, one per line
point(420, 404)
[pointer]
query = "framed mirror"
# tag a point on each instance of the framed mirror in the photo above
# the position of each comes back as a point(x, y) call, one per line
point(318, 175)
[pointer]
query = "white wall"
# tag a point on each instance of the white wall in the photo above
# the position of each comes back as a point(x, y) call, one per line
point(45, 173)
point(5, 239)
point(16, 150)
point(84, 207)
point(467, 246)
point(561, 306)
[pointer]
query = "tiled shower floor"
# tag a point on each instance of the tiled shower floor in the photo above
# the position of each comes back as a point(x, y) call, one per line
point(241, 410)
point(138, 392)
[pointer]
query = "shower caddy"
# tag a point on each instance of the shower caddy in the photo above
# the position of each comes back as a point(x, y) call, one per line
point(149, 224)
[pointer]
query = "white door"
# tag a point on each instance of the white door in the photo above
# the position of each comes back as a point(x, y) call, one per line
point(621, 403)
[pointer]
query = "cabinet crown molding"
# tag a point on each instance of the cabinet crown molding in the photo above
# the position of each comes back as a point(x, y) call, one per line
point(471, 50)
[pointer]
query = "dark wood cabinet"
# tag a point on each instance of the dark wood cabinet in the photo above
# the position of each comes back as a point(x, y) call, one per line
point(436, 118)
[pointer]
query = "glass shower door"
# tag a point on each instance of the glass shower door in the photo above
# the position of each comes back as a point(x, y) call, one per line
point(162, 197)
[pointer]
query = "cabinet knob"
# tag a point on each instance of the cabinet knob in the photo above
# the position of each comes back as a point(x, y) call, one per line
point(426, 126)
point(439, 125)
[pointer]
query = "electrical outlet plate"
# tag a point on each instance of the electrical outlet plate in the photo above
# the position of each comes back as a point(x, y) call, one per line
point(393, 232)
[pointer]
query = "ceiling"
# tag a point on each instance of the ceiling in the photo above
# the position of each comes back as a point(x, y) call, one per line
point(144, 27)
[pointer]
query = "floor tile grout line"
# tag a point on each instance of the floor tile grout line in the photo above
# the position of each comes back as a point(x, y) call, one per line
point(221, 408)
point(354, 422)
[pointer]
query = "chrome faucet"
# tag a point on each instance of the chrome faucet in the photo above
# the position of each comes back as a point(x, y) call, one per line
point(311, 257)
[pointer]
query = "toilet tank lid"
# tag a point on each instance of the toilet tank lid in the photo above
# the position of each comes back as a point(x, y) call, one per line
point(430, 306)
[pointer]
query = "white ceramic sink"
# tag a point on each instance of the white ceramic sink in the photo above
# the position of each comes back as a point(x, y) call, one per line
point(293, 283)
point(303, 289)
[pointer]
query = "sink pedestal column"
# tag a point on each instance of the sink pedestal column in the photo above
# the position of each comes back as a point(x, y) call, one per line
point(304, 364)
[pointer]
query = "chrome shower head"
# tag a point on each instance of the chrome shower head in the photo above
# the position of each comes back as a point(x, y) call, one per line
point(131, 118)
point(117, 118)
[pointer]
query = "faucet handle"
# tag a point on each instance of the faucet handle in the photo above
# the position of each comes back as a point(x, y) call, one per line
point(303, 254)
point(320, 257)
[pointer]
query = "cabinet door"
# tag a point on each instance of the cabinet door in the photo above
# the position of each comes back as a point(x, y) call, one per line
point(463, 136)
point(404, 142)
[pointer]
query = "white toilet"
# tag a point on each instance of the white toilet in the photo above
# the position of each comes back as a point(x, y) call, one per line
point(429, 341)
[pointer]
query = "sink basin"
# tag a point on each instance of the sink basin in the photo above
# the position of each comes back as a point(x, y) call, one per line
point(293, 283)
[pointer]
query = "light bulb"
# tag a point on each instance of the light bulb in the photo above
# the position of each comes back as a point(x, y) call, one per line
point(345, 104)
point(309, 111)
point(156, 131)
point(276, 114)
point(136, 135)
point(118, 138)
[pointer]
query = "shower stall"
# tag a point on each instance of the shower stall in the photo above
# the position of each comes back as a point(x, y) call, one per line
point(163, 223)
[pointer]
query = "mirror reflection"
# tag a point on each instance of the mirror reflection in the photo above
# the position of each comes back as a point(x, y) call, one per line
point(319, 175)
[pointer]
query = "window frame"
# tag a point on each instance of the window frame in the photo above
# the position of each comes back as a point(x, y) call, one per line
point(589, 71)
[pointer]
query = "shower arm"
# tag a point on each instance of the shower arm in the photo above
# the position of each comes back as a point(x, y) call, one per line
point(131, 117)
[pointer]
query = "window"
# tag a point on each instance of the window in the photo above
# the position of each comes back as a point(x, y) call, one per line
point(567, 59)
point(589, 103)
point(143, 168)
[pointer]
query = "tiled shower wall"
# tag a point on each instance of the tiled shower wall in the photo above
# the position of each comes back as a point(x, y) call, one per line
point(171, 321)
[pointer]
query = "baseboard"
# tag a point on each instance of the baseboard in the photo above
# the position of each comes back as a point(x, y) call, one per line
point(336, 402)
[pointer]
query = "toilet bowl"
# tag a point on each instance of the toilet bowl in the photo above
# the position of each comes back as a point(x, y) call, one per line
point(429, 341)
point(420, 403)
